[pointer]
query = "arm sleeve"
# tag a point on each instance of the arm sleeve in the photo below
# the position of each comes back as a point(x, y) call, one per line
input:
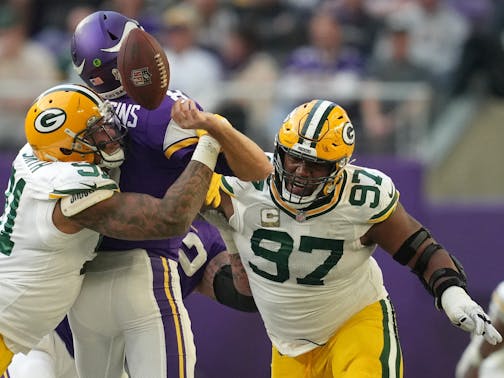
point(226, 293)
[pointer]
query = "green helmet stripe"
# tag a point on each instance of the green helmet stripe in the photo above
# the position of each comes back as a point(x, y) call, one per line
point(321, 123)
point(316, 119)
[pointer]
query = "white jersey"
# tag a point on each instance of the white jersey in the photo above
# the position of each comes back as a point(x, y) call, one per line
point(497, 303)
point(50, 358)
point(308, 270)
point(493, 365)
point(40, 266)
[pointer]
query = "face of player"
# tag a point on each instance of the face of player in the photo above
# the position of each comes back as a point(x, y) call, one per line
point(107, 138)
point(303, 176)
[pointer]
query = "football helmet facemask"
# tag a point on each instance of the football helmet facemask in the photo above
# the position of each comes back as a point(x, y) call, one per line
point(70, 122)
point(95, 46)
point(317, 132)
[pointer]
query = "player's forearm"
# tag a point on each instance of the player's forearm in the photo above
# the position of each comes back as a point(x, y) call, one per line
point(133, 216)
point(205, 287)
point(226, 292)
point(185, 197)
point(240, 278)
point(247, 160)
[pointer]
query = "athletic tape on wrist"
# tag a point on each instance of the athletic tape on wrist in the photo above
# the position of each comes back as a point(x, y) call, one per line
point(207, 151)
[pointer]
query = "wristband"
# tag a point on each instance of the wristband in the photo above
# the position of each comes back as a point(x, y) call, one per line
point(207, 151)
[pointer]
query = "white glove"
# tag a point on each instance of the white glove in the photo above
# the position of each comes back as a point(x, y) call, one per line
point(464, 313)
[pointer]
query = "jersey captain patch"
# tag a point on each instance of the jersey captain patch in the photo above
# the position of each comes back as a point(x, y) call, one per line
point(270, 217)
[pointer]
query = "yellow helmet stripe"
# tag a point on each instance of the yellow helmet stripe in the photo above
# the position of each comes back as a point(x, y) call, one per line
point(316, 119)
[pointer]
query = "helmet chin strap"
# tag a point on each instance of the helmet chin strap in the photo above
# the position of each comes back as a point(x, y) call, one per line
point(113, 160)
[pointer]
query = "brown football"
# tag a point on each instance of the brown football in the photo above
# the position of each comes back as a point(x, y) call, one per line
point(144, 69)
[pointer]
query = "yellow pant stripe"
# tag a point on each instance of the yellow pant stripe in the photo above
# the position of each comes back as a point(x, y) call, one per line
point(178, 328)
point(5, 357)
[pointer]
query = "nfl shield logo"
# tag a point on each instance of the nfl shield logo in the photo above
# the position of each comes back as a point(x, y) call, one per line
point(141, 77)
point(301, 216)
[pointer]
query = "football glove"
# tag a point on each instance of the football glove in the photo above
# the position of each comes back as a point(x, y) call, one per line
point(213, 197)
point(466, 314)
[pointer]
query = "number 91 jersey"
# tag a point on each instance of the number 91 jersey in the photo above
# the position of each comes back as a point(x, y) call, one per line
point(40, 266)
point(308, 270)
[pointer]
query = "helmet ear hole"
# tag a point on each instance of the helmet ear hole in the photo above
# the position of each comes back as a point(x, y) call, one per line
point(65, 151)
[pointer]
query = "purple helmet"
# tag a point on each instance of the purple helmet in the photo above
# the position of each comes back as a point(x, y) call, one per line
point(95, 46)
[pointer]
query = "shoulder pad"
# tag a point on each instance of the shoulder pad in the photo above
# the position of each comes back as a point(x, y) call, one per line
point(233, 186)
point(372, 193)
point(80, 177)
point(58, 179)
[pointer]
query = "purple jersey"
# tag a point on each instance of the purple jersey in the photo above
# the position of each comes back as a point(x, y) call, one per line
point(200, 245)
point(65, 333)
point(155, 157)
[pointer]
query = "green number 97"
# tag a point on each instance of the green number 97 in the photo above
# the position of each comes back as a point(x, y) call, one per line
point(280, 256)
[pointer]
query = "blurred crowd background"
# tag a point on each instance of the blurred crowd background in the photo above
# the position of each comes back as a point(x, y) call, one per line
point(397, 66)
point(422, 81)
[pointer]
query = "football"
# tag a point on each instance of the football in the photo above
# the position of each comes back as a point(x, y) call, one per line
point(144, 69)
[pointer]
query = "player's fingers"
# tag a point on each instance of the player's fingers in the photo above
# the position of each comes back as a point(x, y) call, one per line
point(186, 104)
point(491, 335)
point(181, 105)
point(175, 108)
point(190, 104)
point(465, 322)
point(479, 323)
point(178, 109)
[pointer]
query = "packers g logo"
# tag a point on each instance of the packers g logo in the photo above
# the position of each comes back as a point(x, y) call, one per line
point(50, 120)
point(348, 134)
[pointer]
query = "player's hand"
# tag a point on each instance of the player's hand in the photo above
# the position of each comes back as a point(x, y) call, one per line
point(464, 313)
point(187, 115)
point(213, 197)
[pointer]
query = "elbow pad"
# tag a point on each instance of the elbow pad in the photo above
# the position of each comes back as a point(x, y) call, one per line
point(226, 293)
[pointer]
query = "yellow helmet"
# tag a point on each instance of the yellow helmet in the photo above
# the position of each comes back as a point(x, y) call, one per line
point(318, 131)
point(61, 122)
